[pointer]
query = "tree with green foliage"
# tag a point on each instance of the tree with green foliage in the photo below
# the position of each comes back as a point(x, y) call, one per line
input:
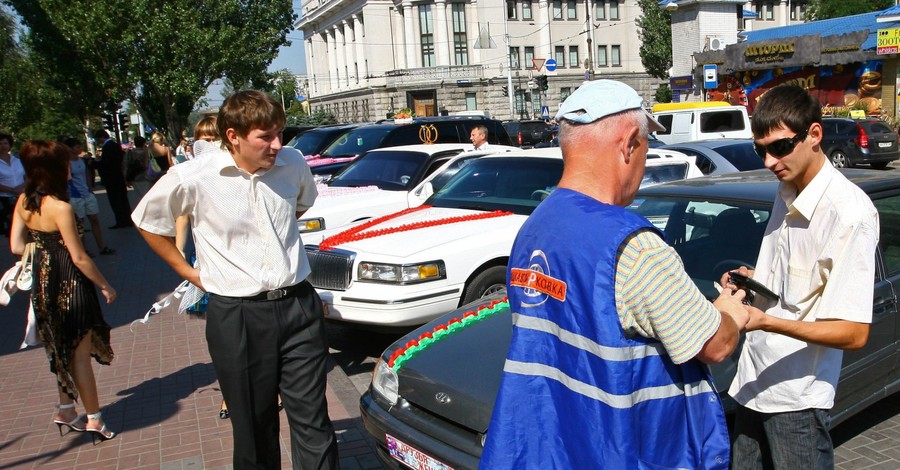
point(663, 94)
point(655, 32)
point(826, 9)
point(162, 56)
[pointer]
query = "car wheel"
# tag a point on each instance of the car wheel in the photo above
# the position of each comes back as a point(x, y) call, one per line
point(839, 160)
point(489, 282)
point(880, 165)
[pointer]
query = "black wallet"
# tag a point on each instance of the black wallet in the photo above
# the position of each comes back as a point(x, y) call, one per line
point(752, 287)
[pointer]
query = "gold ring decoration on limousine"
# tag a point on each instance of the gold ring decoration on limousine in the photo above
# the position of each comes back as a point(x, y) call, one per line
point(428, 134)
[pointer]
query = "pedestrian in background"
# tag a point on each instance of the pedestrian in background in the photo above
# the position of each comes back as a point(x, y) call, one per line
point(162, 154)
point(66, 306)
point(83, 202)
point(264, 321)
point(607, 366)
point(12, 181)
point(818, 255)
point(112, 174)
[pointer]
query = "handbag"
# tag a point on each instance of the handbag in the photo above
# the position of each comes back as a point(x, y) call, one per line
point(8, 283)
point(153, 169)
point(26, 276)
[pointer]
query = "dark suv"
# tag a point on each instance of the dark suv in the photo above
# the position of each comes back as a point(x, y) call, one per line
point(440, 130)
point(527, 134)
point(850, 142)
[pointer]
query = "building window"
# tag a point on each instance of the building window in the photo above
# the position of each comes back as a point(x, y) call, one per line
point(471, 105)
point(460, 44)
point(573, 56)
point(526, 10)
point(570, 10)
point(426, 35)
point(770, 11)
point(600, 10)
point(511, 9)
point(557, 9)
point(614, 9)
point(560, 56)
point(601, 56)
point(520, 102)
point(514, 58)
point(564, 93)
point(615, 55)
point(529, 57)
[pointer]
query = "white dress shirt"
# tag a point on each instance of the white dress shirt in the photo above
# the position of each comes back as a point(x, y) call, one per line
point(12, 174)
point(244, 225)
point(818, 255)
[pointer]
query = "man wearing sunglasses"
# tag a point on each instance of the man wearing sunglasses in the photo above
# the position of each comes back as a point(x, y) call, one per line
point(818, 255)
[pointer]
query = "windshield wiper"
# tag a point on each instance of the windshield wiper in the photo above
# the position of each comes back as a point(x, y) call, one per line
point(475, 208)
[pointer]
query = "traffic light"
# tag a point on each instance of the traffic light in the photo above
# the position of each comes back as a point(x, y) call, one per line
point(123, 121)
point(542, 83)
point(505, 90)
point(108, 123)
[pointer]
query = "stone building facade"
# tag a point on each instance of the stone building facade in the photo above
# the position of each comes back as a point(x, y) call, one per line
point(369, 59)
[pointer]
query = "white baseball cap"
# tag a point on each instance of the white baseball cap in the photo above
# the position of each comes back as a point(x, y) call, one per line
point(601, 98)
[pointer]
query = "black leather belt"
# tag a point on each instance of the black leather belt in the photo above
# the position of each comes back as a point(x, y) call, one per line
point(273, 294)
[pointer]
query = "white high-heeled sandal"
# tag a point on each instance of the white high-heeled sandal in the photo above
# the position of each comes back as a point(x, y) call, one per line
point(77, 424)
point(103, 434)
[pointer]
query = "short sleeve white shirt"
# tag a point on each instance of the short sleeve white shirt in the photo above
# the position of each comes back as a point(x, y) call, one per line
point(12, 174)
point(818, 255)
point(244, 225)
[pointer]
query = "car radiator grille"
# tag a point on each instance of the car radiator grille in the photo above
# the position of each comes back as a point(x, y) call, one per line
point(330, 269)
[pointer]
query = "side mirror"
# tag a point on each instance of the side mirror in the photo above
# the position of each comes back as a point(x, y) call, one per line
point(425, 191)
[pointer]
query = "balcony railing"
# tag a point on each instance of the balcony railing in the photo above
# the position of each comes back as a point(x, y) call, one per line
point(402, 77)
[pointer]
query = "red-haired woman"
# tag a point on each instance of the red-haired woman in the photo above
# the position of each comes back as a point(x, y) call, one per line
point(66, 305)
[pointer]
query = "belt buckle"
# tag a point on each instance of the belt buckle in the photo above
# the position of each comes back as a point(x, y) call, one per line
point(275, 294)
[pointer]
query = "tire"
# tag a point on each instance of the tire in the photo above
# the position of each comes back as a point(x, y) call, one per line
point(880, 165)
point(488, 282)
point(839, 159)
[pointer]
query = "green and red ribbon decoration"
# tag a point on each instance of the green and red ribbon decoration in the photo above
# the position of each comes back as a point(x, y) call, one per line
point(359, 232)
point(439, 332)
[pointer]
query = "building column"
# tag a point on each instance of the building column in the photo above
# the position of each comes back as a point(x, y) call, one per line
point(546, 48)
point(442, 45)
point(326, 58)
point(350, 53)
point(341, 59)
point(409, 33)
point(358, 37)
point(310, 63)
point(334, 78)
point(784, 16)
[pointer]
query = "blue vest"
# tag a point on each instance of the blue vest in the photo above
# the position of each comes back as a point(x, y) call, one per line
point(576, 392)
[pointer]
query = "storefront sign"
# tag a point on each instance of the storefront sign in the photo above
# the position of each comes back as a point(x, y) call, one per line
point(888, 41)
point(769, 52)
point(684, 82)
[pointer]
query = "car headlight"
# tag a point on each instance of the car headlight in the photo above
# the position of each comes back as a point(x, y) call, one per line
point(311, 225)
point(401, 274)
point(384, 382)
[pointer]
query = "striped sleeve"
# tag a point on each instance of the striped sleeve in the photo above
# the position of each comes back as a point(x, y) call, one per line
point(656, 298)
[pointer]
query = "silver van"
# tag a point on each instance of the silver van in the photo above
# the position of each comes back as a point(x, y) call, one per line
point(686, 122)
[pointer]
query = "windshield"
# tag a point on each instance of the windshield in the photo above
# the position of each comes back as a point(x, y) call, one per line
point(357, 141)
point(309, 143)
point(741, 155)
point(711, 237)
point(515, 184)
point(391, 170)
point(656, 174)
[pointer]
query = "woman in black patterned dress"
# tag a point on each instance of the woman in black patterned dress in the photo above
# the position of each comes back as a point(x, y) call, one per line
point(66, 305)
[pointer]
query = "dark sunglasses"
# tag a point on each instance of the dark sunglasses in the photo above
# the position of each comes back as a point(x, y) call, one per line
point(781, 147)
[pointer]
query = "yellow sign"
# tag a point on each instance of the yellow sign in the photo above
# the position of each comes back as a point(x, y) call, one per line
point(888, 41)
point(857, 114)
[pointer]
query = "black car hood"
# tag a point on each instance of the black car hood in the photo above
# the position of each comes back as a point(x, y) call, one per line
point(457, 378)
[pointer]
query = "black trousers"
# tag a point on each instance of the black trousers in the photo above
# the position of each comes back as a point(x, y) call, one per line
point(259, 348)
point(117, 193)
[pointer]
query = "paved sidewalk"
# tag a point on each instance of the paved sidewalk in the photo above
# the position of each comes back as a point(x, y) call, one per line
point(160, 393)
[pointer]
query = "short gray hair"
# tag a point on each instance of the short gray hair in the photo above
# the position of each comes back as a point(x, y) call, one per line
point(570, 131)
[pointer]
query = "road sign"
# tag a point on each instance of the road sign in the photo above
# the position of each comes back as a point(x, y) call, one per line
point(888, 41)
point(710, 77)
point(550, 65)
point(545, 112)
point(538, 64)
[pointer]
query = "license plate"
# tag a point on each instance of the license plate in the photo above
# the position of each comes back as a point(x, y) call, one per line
point(412, 457)
point(885, 144)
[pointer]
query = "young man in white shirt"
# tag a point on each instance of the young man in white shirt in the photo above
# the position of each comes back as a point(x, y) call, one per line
point(818, 255)
point(264, 321)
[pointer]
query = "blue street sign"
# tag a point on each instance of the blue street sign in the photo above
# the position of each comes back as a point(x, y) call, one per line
point(301, 98)
point(545, 112)
point(710, 77)
point(550, 65)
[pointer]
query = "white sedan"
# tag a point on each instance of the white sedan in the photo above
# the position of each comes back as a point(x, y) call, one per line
point(387, 180)
point(408, 267)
